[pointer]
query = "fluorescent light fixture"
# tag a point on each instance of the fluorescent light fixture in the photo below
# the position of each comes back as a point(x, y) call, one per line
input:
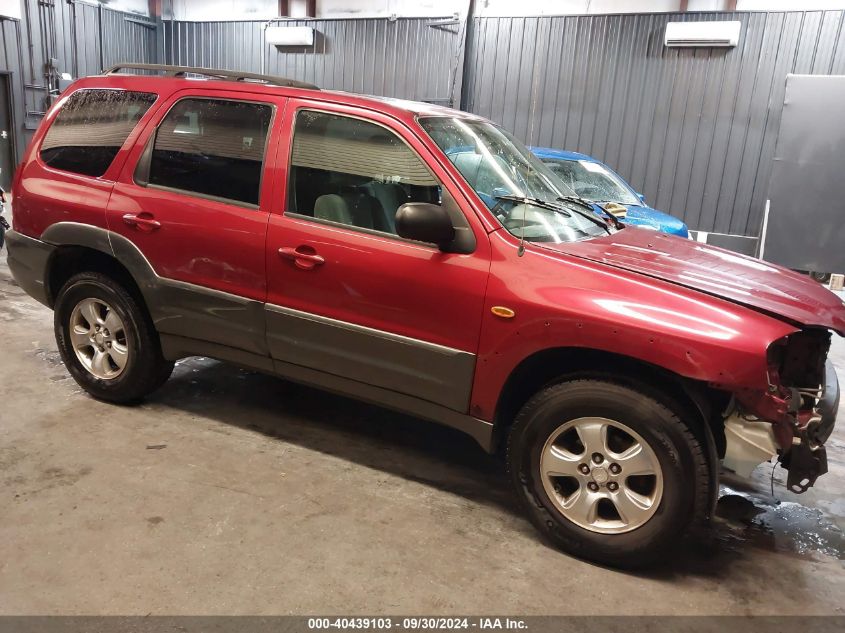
point(705, 34)
point(290, 35)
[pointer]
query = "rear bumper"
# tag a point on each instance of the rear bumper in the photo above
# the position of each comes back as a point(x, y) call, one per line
point(28, 259)
point(808, 460)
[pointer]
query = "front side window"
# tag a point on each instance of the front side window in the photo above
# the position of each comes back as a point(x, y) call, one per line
point(212, 147)
point(353, 172)
point(501, 169)
point(90, 129)
point(592, 181)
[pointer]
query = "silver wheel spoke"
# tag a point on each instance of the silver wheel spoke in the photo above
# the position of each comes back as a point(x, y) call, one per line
point(633, 507)
point(635, 461)
point(593, 436)
point(99, 364)
point(583, 506)
point(113, 323)
point(90, 310)
point(557, 462)
point(118, 354)
point(80, 337)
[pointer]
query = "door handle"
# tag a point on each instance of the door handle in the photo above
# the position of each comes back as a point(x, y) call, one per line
point(142, 221)
point(301, 258)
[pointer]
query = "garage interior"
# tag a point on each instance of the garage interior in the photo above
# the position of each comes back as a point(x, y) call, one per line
point(232, 492)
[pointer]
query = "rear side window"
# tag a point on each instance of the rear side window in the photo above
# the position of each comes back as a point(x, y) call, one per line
point(212, 147)
point(90, 129)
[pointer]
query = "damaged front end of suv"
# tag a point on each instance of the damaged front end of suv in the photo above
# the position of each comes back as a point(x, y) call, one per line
point(793, 418)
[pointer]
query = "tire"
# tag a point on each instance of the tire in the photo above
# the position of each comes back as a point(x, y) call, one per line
point(613, 532)
point(144, 368)
point(822, 278)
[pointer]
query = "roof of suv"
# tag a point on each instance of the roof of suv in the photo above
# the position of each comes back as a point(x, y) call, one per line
point(176, 80)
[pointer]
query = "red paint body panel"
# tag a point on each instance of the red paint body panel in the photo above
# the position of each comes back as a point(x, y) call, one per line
point(700, 312)
point(563, 301)
point(206, 242)
point(48, 196)
point(380, 282)
point(717, 271)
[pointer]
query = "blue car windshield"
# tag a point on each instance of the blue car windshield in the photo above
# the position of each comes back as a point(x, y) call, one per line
point(592, 181)
point(495, 165)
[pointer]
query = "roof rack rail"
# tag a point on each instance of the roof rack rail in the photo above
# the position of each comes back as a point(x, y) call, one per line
point(227, 75)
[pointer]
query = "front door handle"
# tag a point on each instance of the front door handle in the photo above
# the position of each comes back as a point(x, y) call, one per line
point(301, 257)
point(142, 221)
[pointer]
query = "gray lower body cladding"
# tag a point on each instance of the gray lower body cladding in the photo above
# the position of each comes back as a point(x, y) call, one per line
point(430, 372)
point(28, 259)
point(424, 379)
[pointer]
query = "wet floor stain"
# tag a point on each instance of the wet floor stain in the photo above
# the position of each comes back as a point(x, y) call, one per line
point(51, 357)
point(783, 526)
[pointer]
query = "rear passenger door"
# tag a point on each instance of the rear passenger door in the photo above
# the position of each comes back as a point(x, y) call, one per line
point(348, 297)
point(194, 200)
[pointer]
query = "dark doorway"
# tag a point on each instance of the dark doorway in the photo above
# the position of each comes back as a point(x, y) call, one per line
point(7, 146)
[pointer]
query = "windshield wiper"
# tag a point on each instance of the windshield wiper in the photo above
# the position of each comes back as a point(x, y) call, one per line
point(537, 202)
point(591, 206)
point(587, 204)
point(551, 206)
point(590, 215)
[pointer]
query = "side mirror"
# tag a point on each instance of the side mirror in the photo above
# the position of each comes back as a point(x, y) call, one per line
point(641, 196)
point(425, 222)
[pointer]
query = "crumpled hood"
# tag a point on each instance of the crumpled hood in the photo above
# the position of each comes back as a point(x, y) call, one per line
point(715, 271)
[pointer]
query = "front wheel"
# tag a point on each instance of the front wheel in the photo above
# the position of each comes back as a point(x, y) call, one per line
point(605, 472)
point(107, 341)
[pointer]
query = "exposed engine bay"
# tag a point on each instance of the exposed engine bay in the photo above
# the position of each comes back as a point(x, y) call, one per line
point(793, 419)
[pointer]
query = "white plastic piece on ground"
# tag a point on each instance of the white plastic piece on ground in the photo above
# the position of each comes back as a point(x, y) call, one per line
point(749, 444)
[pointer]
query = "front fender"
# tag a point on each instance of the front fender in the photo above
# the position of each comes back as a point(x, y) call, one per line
point(590, 306)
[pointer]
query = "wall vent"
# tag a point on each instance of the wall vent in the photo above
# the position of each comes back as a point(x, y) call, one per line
point(705, 34)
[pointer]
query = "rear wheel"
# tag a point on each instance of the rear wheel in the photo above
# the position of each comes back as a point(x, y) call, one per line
point(106, 339)
point(607, 473)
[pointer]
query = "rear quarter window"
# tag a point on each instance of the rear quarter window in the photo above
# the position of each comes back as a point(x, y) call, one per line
point(90, 129)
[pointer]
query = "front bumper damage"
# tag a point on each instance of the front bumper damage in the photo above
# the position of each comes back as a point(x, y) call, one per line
point(807, 459)
point(797, 436)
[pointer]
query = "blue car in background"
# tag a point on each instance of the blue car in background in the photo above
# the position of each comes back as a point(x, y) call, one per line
point(594, 181)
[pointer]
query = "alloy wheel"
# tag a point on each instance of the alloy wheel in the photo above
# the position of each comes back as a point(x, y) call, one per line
point(601, 475)
point(98, 336)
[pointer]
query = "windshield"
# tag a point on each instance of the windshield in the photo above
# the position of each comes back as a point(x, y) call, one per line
point(496, 165)
point(592, 181)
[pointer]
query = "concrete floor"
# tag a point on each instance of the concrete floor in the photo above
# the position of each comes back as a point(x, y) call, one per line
point(232, 492)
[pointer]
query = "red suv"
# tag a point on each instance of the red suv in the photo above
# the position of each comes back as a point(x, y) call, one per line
point(423, 259)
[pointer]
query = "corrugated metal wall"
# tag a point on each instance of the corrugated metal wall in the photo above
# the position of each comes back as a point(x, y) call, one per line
point(81, 37)
point(10, 62)
point(408, 57)
point(127, 38)
point(692, 129)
